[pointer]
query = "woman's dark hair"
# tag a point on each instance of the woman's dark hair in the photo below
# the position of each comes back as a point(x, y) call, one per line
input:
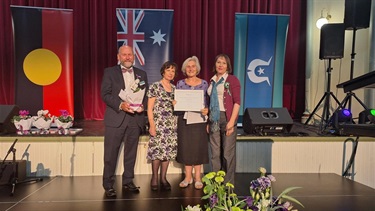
point(167, 65)
point(226, 57)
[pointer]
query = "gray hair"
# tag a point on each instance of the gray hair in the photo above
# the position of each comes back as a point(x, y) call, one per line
point(193, 58)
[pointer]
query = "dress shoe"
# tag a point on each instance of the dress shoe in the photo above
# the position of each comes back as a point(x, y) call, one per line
point(131, 187)
point(165, 185)
point(185, 183)
point(198, 185)
point(110, 192)
point(154, 187)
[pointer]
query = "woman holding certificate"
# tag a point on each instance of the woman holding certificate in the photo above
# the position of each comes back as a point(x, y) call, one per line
point(162, 146)
point(225, 101)
point(192, 148)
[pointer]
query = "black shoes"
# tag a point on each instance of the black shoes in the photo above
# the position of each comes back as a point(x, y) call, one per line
point(131, 187)
point(165, 186)
point(110, 192)
point(154, 187)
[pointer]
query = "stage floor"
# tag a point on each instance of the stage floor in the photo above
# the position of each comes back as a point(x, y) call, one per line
point(318, 192)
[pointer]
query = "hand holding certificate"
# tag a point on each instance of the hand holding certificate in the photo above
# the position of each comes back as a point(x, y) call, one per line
point(188, 100)
point(191, 101)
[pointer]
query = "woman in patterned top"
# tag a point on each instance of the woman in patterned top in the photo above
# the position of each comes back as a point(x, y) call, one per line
point(192, 148)
point(162, 146)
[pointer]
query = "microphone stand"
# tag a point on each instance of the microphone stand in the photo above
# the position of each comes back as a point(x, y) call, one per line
point(14, 179)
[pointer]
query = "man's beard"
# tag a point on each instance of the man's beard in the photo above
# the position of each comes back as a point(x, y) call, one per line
point(127, 64)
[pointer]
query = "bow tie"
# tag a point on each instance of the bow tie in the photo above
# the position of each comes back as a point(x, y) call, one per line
point(124, 70)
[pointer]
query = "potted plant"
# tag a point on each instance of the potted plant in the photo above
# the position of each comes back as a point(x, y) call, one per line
point(64, 122)
point(43, 121)
point(23, 122)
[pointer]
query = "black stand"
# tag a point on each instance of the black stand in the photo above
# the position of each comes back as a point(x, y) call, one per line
point(348, 98)
point(351, 160)
point(326, 97)
point(14, 179)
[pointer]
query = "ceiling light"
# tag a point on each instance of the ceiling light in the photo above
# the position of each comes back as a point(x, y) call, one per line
point(322, 20)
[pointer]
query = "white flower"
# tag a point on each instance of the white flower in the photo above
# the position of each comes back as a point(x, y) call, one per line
point(135, 86)
point(265, 203)
point(42, 112)
point(195, 208)
point(272, 178)
point(262, 170)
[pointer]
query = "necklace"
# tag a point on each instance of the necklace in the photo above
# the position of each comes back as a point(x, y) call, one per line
point(167, 85)
point(192, 81)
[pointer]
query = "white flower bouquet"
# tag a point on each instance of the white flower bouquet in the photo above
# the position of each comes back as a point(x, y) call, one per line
point(43, 121)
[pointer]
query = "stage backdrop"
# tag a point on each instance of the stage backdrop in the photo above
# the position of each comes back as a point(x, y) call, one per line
point(43, 40)
point(150, 32)
point(259, 53)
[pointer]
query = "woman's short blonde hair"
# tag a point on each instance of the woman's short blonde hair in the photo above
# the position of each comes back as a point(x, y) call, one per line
point(193, 58)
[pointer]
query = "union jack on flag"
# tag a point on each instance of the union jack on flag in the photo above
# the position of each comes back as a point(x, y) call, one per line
point(150, 33)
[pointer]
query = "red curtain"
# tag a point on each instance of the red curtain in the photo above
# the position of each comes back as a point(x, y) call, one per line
point(203, 28)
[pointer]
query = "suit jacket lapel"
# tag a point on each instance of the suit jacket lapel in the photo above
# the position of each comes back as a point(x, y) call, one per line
point(120, 77)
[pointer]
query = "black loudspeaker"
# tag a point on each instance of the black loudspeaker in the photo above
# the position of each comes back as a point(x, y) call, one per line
point(7, 169)
point(267, 120)
point(357, 14)
point(332, 37)
point(6, 114)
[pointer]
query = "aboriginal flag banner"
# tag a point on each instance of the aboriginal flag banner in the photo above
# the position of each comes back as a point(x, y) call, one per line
point(43, 40)
point(260, 41)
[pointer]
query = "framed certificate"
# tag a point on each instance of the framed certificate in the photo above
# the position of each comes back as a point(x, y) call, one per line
point(188, 100)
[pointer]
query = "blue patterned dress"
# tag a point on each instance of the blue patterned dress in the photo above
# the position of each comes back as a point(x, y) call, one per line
point(163, 146)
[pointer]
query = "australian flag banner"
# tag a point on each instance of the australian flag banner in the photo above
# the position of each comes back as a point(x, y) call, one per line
point(150, 33)
point(259, 53)
point(43, 42)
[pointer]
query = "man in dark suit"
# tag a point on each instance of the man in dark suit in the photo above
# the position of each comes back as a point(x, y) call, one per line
point(123, 121)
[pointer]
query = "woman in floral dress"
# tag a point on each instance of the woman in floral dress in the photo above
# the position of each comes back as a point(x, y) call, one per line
point(162, 146)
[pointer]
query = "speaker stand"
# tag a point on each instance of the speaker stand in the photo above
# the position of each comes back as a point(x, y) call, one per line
point(348, 98)
point(326, 98)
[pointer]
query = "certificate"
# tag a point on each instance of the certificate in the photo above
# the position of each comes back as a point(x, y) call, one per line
point(188, 100)
point(193, 117)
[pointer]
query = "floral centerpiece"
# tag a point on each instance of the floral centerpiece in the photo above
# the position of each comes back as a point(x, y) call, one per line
point(43, 121)
point(23, 122)
point(221, 196)
point(64, 122)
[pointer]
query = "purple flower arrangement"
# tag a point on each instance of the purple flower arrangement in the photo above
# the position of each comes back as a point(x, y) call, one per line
point(221, 196)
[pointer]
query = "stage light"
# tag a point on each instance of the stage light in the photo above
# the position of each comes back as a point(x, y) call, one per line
point(366, 116)
point(322, 20)
point(341, 117)
point(372, 116)
point(344, 116)
point(345, 113)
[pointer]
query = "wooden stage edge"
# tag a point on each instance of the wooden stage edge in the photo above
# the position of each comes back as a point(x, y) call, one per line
point(301, 151)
